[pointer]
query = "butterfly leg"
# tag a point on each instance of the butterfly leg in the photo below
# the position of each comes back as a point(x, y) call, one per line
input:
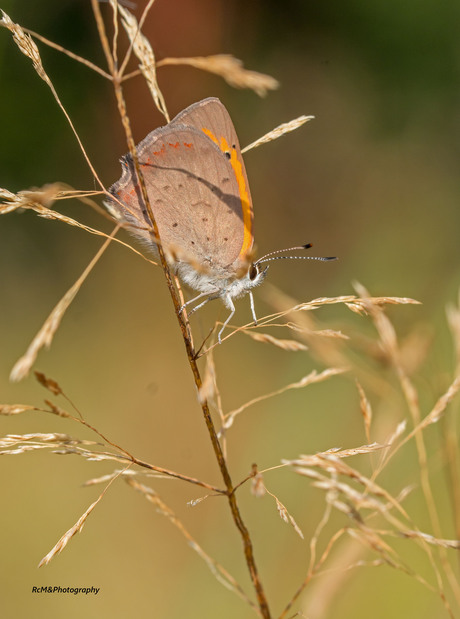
point(229, 303)
point(203, 294)
point(253, 309)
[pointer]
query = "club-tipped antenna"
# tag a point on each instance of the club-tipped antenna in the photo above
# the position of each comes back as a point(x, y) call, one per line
point(272, 255)
point(322, 258)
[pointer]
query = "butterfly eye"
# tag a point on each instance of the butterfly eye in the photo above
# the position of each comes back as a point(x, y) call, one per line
point(253, 272)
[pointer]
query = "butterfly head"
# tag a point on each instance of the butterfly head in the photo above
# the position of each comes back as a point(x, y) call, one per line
point(256, 274)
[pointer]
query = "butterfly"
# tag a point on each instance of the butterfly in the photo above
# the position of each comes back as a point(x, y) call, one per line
point(199, 194)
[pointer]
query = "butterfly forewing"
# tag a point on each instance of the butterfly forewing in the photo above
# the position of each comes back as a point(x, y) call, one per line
point(211, 117)
point(197, 186)
point(193, 192)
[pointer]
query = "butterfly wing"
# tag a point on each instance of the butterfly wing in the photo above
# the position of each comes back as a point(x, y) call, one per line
point(211, 117)
point(197, 188)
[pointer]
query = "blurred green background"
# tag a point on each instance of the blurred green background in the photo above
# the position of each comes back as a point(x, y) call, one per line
point(374, 180)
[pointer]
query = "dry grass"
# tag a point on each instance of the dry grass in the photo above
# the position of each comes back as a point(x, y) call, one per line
point(376, 514)
point(277, 132)
point(231, 70)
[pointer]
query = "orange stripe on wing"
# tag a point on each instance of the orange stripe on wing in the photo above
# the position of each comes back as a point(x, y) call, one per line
point(246, 206)
point(211, 136)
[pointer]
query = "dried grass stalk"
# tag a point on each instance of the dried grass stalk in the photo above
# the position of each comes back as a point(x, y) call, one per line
point(266, 338)
point(230, 69)
point(216, 569)
point(40, 200)
point(68, 53)
point(310, 379)
point(49, 437)
point(398, 431)
point(45, 336)
point(354, 303)
point(434, 541)
point(16, 444)
point(144, 52)
point(370, 539)
point(277, 132)
point(347, 499)
point(35, 199)
point(106, 478)
point(77, 527)
point(26, 45)
point(327, 459)
point(65, 539)
point(440, 407)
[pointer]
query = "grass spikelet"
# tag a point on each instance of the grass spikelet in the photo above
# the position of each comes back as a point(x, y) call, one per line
point(324, 457)
point(15, 409)
point(16, 444)
point(440, 407)
point(266, 338)
point(195, 502)
point(26, 45)
point(285, 515)
point(429, 539)
point(43, 197)
point(48, 383)
point(40, 201)
point(45, 335)
point(230, 69)
point(5, 194)
point(257, 485)
point(207, 388)
point(144, 52)
point(77, 527)
point(279, 131)
point(56, 410)
point(366, 410)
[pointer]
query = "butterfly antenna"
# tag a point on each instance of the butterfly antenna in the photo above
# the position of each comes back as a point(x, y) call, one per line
point(323, 258)
point(281, 251)
point(272, 255)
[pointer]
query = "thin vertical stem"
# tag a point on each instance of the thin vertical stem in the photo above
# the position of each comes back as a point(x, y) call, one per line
point(245, 536)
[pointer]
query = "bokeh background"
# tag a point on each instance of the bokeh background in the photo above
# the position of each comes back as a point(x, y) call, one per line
point(374, 180)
